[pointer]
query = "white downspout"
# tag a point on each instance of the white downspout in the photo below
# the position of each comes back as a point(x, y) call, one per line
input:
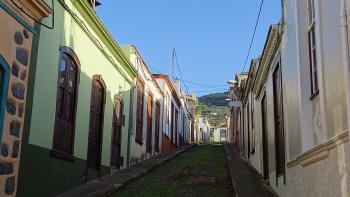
point(345, 46)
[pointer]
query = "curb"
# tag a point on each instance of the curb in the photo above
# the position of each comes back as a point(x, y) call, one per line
point(228, 157)
point(106, 187)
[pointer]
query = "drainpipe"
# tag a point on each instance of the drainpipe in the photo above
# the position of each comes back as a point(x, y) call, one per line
point(345, 46)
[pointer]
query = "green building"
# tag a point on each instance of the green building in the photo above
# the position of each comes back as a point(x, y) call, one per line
point(77, 119)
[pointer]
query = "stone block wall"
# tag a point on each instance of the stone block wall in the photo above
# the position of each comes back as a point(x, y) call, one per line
point(14, 113)
point(15, 48)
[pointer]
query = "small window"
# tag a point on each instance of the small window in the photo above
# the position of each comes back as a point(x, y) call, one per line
point(66, 104)
point(312, 48)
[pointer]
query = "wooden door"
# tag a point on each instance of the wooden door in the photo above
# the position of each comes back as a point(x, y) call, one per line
point(248, 124)
point(192, 131)
point(96, 124)
point(117, 132)
point(278, 113)
point(139, 113)
point(176, 126)
point(157, 126)
point(172, 125)
point(149, 123)
point(265, 137)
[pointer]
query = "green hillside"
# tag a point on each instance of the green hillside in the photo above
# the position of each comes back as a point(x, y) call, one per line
point(215, 107)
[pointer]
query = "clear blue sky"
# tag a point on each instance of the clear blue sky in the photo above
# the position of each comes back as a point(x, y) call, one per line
point(211, 36)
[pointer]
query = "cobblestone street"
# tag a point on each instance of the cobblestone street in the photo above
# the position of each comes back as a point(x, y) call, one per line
point(202, 171)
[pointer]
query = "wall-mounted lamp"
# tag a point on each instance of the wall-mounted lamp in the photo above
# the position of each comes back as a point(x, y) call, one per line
point(120, 89)
point(232, 82)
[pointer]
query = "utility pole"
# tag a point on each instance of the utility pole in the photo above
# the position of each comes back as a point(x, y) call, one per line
point(172, 64)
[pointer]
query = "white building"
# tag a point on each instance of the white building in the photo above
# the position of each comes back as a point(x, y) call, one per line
point(295, 116)
point(220, 133)
point(145, 138)
point(184, 119)
point(204, 130)
point(171, 111)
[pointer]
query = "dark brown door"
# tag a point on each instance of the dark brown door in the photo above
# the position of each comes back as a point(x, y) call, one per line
point(139, 114)
point(192, 131)
point(172, 125)
point(248, 115)
point(117, 132)
point(157, 126)
point(176, 126)
point(96, 124)
point(265, 137)
point(149, 123)
point(278, 113)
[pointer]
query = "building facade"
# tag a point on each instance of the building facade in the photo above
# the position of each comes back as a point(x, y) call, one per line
point(204, 130)
point(192, 103)
point(300, 94)
point(78, 106)
point(220, 133)
point(145, 139)
point(171, 110)
point(17, 30)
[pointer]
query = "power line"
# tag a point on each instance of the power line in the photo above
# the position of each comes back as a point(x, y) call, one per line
point(178, 67)
point(212, 90)
point(253, 37)
point(204, 85)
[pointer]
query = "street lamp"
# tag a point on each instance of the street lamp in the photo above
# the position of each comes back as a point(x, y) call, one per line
point(232, 82)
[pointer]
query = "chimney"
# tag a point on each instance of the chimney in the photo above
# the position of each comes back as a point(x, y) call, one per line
point(94, 3)
point(177, 84)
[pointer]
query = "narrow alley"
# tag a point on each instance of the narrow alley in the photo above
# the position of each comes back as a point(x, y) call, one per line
point(160, 98)
point(202, 171)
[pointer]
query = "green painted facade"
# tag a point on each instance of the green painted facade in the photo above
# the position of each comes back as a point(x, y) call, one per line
point(77, 27)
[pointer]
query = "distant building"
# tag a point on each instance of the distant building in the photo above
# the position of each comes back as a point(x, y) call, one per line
point(220, 133)
point(192, 102)
point(204, 130)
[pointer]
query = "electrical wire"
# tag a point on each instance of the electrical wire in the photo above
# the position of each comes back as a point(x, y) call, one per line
point(223, 90)
point(253, 37)
point(178, 67)
point(204, 85)
point(34, 19)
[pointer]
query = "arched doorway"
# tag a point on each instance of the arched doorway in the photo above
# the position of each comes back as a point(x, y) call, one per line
point(117, 132)
point(98, 97)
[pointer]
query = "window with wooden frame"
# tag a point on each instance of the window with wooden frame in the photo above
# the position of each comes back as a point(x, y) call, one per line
point(312, 48)
point(66, 103)
point(139, 111)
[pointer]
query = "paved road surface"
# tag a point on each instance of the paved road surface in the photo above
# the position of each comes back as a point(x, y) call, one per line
point(202, 171)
